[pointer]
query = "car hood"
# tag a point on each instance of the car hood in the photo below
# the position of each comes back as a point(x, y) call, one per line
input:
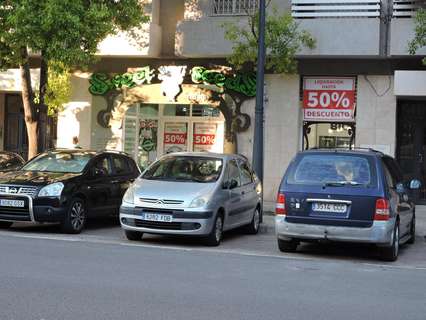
point(172, 190)
point(36, 178)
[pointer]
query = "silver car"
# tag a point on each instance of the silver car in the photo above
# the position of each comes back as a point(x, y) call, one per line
point(200, 194)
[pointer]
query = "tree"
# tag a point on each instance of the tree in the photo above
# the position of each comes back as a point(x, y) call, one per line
point(62, 34)
point(419, 40)
point(283, 39)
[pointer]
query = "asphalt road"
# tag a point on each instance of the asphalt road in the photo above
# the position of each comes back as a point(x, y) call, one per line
point(55, 279)
point(100, 275)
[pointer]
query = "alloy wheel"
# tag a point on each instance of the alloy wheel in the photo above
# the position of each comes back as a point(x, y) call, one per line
point(77, 215)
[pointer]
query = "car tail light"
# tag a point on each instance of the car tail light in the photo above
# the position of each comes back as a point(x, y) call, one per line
point(280, 205)
point(382, 210)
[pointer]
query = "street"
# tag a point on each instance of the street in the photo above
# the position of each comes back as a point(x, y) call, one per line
point(100, 275)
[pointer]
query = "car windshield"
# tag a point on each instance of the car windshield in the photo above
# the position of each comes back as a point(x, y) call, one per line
point(331, 170)
point(184, 168)
point(71, 162)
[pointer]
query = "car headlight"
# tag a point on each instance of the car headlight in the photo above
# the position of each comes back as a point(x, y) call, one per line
point(198, 202)
point(52, 190)
point(129, 196)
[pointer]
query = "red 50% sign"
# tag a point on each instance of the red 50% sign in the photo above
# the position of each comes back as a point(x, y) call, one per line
point(205, 139)
point(175, 138)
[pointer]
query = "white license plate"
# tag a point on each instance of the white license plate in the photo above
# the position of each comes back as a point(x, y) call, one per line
point(329, 207)
point(12, 203)
point(157, 217)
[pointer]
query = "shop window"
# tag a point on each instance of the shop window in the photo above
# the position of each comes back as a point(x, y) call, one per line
point(148, 110)
point(329, 135)
point(176, 110)
point(205, 111)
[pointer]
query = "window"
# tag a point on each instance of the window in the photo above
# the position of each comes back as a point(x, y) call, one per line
point(389, 179)
point(102, 165)
point(319, 169)
point(246, 174)
point(234, 7)
point(233, 172)
point(120, 165)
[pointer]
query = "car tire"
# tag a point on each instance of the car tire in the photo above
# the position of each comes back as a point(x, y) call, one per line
point(254, 225)
point(133, 235)
point(5, 224)
point(390, 253)
point(215, 236)
point(287, 245)
point(412, 231)
point(76, 217)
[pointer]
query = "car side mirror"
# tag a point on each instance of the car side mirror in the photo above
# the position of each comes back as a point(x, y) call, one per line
point(232, 184)
point(415, 184)
point(400, 188)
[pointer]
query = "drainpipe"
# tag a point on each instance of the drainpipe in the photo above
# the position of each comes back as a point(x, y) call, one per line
point(386, 10)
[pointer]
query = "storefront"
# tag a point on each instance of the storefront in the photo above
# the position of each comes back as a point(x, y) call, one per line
point(328, 105)
point(151, 130)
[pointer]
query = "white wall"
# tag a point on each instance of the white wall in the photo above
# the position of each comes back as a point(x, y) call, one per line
point(376, 113)
point(282, 131)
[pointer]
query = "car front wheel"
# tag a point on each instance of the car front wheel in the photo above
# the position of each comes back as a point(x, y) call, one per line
point(76, 217)
point(215, 236)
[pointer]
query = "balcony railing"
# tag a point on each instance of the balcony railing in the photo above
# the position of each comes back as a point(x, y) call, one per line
point(233, 7)
point(305, 9)
point(406, 9)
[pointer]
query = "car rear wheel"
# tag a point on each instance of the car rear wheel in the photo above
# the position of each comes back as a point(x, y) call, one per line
point(76, 217)
point(412, 231)
point(253, 226)
point(287, 245)
point(215, 236)
point(391, 252)
point(133, 235)
point(5, 224)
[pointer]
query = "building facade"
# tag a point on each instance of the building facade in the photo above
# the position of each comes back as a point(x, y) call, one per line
point(171, 88)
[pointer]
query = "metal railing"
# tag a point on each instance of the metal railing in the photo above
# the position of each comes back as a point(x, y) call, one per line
point(406, 9)
point(305, 9)
point(233, 7)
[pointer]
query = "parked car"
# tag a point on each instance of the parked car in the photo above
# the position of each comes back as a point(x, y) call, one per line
point(199, 194)
point(66, 186)
point(10, 161)
point(345, 195)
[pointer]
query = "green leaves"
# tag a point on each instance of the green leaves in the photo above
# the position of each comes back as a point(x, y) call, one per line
point(419, 40)
point(283, 39)
point(65, 32)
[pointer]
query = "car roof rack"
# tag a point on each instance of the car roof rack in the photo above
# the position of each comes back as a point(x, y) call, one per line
point(348, 149)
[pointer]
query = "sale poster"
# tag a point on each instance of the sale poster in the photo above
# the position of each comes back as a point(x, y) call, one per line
point(329, 99)
point(204, 137)
point(175, 137)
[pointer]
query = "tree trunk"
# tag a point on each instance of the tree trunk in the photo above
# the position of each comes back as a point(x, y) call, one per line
point(42, 108)
point(30, 113)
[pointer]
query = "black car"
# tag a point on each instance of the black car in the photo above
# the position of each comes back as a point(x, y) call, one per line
point(10, 161)
point(66, 186)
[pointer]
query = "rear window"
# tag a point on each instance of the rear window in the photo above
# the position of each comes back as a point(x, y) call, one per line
point(321, 169)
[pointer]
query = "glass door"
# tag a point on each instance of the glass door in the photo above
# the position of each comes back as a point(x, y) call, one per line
point(175, 137)
point(411, 143)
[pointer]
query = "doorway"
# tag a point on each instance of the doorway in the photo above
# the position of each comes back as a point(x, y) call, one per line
point(15, 138)
point(411, 143)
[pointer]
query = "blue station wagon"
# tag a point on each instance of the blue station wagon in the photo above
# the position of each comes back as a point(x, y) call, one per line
point(345, 195)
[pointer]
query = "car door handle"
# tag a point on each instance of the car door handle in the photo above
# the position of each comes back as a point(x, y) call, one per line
point(115, 181)
point(243, 192)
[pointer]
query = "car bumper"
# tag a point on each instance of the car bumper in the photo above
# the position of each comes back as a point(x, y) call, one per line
point(379, 233)
point(195, 223)
point(38, 210)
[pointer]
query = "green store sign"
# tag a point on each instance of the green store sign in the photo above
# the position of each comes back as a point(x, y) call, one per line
point(242, 83)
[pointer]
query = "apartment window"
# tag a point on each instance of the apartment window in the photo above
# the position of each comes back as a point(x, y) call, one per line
point(233, 7)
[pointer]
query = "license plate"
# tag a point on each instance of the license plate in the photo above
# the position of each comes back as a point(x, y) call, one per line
point(329, 207)
point(157, 217)
point(12, 203)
